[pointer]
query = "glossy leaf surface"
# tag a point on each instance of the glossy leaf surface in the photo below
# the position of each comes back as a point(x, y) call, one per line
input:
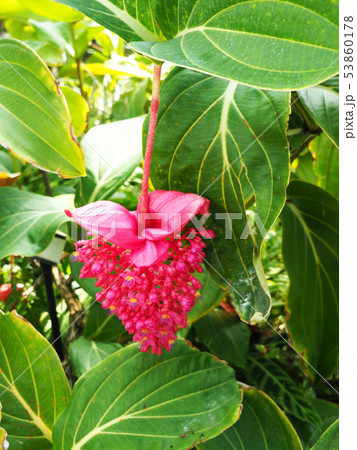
point(218, 148)
point(34, 118)
point(267, 44)
point(262, 425)
point(135, 399)
point(310, 251)
point(30, 401)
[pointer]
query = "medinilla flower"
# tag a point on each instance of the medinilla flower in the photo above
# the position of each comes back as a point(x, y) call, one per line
point(145, 262)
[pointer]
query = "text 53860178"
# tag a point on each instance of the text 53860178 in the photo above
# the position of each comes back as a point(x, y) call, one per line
point(348, 73)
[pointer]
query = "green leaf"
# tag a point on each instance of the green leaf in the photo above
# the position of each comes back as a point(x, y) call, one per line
point(262, 425)
point(11, 9)
point(34, 387)
point(34, 119)
point(322, 103)
point(326, 164)
point(8, 175)
point(131, 103)
point(84, 32)
point(329, 439)
point(309, 433)
point(131, 20)
point(268, 376)
point(85, 354)
point(267, 44)
point(305, 170)
point(52, 10)
point(208, 297)
point(50, 53)
point(206, 143)
point(78, 109)
point(225, 335)
point(310, 252)
point(28, 221)
point(57, 33)
point(99, 326)
point(112, 151)
point(138, 400)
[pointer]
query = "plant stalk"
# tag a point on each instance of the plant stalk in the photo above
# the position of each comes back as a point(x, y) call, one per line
point(144, 199)
point(79, 76)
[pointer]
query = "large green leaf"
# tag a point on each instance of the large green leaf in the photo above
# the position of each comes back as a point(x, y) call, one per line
point(34, 387)
point(138, 400)
point(310, 251)
point(28, 221)
point(86, 354)
point(111, 152)
point(329, 439)
point(222, 140)
point(323, 105)
point(34, 119)
point(208, 297)
point(225, 336)
point(268, 376)
point(269, 44)
point(326, 163)
point(309, 433)
point(262, 426)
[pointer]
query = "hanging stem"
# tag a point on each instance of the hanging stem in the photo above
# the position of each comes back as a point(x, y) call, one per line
point(79, 76)
point(150, 139)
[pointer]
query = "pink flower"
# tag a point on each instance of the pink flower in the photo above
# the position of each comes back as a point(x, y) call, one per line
point(144, 264)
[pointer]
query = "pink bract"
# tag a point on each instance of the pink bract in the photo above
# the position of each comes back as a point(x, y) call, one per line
point(146, 275)
point(169, 212)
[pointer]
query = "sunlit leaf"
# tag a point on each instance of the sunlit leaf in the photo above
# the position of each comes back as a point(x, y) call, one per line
point(52, 10)
point(34, 120)
point(30, 400)
point(287, 46)
point(78, 109)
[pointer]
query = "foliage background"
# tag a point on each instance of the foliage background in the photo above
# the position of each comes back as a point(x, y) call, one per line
point(106, 89)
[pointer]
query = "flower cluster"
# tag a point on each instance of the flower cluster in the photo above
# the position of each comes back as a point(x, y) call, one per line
point(147, 276)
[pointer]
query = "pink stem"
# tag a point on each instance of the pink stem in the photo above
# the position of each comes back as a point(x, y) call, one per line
point(144, 200)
